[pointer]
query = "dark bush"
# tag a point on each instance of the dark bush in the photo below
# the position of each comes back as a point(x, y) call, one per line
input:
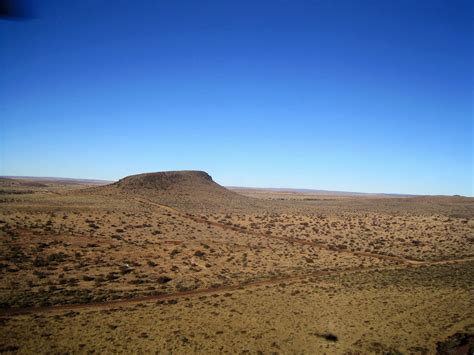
point(164, 279)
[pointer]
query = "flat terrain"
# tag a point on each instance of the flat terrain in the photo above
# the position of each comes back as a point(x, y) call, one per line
point(173, 262)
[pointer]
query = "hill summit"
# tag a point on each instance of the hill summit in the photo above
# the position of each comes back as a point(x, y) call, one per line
point(186, 190)
point(177, 181)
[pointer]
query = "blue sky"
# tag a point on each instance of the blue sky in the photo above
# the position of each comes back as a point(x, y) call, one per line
point(371, 96)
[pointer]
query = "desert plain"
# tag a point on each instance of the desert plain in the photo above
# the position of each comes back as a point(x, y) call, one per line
point(172, 262)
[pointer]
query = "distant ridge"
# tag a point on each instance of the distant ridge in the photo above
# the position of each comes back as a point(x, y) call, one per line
point(57, 180)
point(317, 192)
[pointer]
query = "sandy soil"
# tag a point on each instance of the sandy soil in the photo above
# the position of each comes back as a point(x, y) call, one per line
point(125, 270)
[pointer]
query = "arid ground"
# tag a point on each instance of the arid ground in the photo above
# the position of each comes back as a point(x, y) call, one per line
point(175, 263)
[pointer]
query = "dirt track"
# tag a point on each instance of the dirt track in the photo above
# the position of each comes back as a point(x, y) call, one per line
point(164, 297)
point(401, 263)
point(25, 310)
point(301, 241)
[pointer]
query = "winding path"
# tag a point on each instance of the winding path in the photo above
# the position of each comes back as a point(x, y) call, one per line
point(197, 292)
point(402, 263)
point(394, 258)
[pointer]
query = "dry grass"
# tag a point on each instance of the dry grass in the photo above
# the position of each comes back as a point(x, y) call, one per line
point(224, 270)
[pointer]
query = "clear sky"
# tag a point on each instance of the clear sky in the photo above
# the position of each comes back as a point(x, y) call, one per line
point(371, 96)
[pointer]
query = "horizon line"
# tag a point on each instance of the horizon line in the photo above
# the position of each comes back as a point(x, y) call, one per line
point(280, 189)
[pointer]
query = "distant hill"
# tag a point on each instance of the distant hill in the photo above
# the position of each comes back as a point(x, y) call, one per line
point(197, 192)
point(187, 190)
point(186, 181)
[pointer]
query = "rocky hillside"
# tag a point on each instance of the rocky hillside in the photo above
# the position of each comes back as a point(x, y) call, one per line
point(186, 190)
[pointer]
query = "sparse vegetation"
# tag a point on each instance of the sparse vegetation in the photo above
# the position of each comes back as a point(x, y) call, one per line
point(313, 261)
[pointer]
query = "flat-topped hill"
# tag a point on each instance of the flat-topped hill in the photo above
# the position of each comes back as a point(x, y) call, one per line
point(187, 190)
point(171, 181)
point(197, 192)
